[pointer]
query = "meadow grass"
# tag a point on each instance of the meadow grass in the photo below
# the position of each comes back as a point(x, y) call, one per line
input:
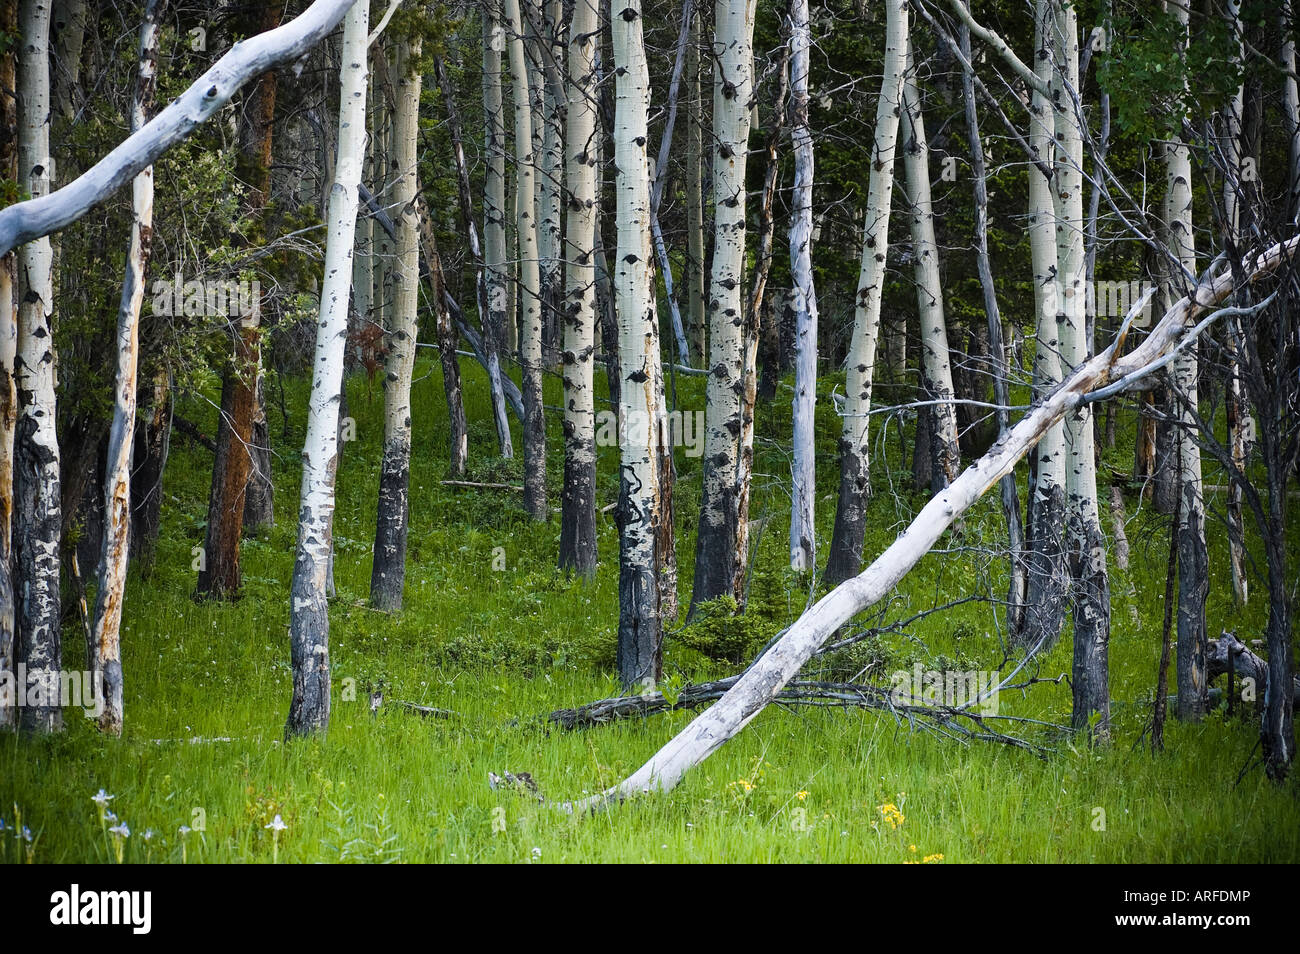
point(207, 689)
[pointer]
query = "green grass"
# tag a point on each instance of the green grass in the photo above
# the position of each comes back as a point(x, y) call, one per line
point(207, 688)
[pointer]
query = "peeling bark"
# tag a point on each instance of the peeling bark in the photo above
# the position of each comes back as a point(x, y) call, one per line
point(106, 627)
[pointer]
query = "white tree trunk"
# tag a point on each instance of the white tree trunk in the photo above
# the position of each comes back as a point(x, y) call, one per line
point(1236, 403)
point(763, 681)
point(1086, 543)
point(803, 545)
point(388, 574)
point(8, 354)
point(640, 626)
point(46, 213)
point(578, 519)
point(855, 450)
point(550, 169)
point(1047, 573)
point(105, 632)
point(309, 710)
point(37, 512)
point(720, 539)
point(530, 289)
point(936, 367)
point(1193, 562)
point(697, 319)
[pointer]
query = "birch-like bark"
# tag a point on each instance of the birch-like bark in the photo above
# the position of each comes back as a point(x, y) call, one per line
point(936, 366)
point(845, 557)
point(1047, 583)
point(803, 537)
point(551, 171)
point(309, 709)
point(37, 510)
point(388, 572)
point(1233, 154)
point(530, 290)
point(640, 631)
point(1193, 562)
point(695, 266)
point(764, 680)
point(106, 628)
point(718, 556)
point(578, 502)
point(8, 354)
point(47, 213)
point(1086, 543)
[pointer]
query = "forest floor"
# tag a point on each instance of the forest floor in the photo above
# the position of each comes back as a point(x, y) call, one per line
point(501, 638)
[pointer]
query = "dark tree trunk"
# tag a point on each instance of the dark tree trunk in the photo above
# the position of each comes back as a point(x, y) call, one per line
point(388, 571)
point(219, 576)
point(259, 501)
point(151, 445)
point(1047, 582)
point(1192, 679)
point(845, 558)
point(1090, 674)
point(232, 467)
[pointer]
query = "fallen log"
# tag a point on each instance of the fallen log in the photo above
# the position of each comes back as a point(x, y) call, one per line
point(1244, 663)
point(951, 721)
point(1107, 373)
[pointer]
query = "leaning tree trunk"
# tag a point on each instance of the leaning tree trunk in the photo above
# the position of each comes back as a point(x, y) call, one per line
point(106, 628)
point(530, 304)
point(803, 547)
point(8, 354)
point(1086, 543)
point(495, 266)
point(1047, 583)
point(232, 469)
point(717, 556)
point(1193, 563)
point(764, 680)
point(578, 501)
point(855, 472)
point(936, 367)
point(37, 512)
point(388, 573)
point(640, 630)
point(309, 627)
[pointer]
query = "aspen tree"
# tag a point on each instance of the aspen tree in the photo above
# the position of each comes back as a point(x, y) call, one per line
point(530, 292)
point(855, 473)
point(578, 518)
point(309, 708)
point(388, 573)
point(107, 621)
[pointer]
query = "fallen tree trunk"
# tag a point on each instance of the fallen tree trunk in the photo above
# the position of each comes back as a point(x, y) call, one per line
point(942, 719)
point(766, 678)
point(1245, 664)
point(25, 221)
